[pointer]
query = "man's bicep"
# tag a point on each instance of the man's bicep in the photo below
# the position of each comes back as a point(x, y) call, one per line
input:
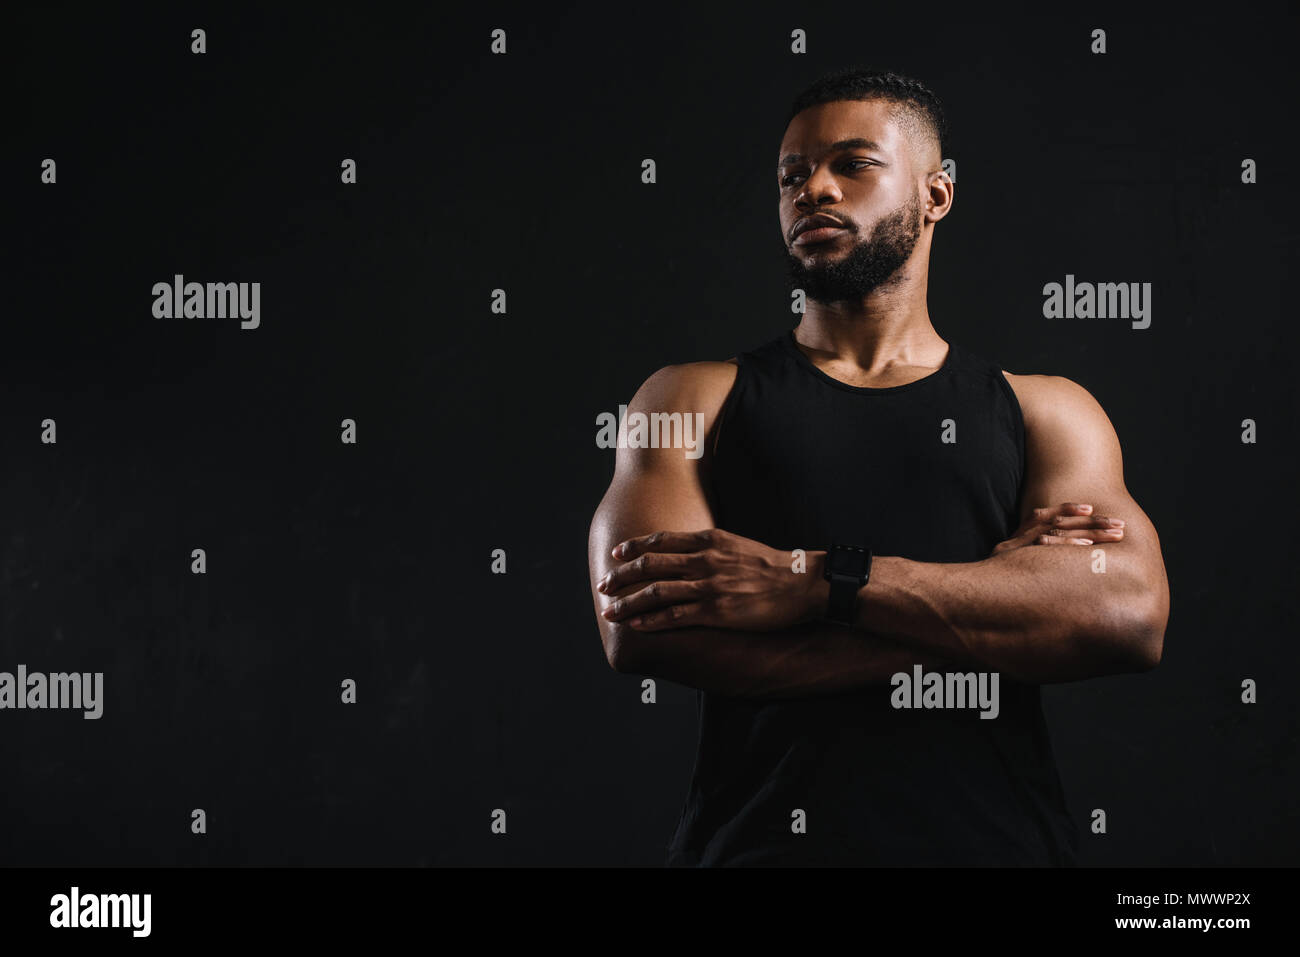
point(649, 498)
point(644, 501)
point(1072, 454)
point(657, 489)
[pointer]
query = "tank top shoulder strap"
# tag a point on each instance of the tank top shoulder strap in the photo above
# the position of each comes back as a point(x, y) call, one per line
point(759, 361)
point(769, 356)
point(977, 367)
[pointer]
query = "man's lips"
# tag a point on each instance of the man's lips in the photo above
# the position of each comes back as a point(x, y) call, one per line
point(819, 234)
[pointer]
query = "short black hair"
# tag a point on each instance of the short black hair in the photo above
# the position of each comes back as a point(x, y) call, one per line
point(916, 101)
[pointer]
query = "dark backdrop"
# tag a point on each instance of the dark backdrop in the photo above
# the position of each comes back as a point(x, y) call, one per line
point(477, 430)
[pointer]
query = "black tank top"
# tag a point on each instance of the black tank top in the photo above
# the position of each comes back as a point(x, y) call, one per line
point(802, 461)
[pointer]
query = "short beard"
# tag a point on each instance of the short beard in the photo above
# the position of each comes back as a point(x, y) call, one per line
point(873, 263)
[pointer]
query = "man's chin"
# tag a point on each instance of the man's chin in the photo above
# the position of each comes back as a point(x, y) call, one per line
point(820, 251)
point(805, 279)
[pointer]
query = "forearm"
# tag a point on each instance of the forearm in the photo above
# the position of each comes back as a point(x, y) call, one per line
point(1038, 614)
point(802, 661)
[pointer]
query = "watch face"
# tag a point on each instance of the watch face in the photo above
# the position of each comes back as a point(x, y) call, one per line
point(846, 560)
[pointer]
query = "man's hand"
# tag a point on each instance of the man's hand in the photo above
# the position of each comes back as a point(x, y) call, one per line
point(1071, 523)
point(709, 578)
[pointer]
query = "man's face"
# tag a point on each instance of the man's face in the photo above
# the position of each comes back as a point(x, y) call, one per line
point(851, 162)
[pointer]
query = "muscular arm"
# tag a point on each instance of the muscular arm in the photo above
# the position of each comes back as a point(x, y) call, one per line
point(1041, 614)
point(657, 489)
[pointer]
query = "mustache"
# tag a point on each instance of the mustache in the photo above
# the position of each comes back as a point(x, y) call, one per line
point(848, 224)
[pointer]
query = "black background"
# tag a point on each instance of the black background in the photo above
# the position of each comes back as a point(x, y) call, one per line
point(477, 431)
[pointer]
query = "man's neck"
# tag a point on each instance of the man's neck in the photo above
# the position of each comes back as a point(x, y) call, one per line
point(873, 336)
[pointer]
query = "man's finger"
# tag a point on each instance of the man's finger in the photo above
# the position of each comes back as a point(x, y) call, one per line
point(665, 542)
point(653, 596)
point(1064, 540)
point(1065, 508)
point(1084, 531)
point(647, 566)
point(1086, 521)
point(1026, 536)
point(675, 616)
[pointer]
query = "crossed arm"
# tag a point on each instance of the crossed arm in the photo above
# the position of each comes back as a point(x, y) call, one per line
point(698, 605)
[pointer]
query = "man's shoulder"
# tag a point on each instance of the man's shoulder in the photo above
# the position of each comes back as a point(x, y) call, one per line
point(698, 386)
point(692, 389)
point(1052, 399)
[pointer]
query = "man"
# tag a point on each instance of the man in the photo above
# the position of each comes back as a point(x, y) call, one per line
point(976, 523)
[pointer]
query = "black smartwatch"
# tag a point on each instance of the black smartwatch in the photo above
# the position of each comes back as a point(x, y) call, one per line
point(848, 567)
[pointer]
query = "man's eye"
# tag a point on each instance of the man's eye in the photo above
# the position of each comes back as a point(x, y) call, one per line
point(855, 165)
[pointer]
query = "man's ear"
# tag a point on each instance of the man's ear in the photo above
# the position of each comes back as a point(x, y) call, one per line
point(939, 195)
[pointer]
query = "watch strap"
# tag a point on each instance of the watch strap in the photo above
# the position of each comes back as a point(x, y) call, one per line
point(843, 600)
point(848, 568)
